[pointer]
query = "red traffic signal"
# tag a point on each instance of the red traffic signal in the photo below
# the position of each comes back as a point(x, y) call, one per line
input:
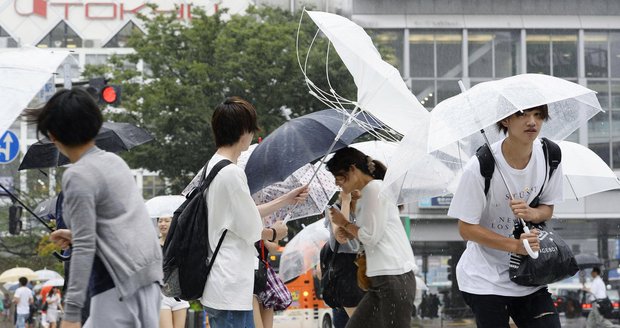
point(110, 94)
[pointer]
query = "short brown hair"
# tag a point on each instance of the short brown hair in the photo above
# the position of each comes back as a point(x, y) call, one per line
point(543, 108)
point(231, 119)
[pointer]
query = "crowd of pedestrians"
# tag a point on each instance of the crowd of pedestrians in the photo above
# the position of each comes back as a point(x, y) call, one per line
point(116, 259)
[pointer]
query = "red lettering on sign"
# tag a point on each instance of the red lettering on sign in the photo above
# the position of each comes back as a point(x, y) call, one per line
point(109, 5)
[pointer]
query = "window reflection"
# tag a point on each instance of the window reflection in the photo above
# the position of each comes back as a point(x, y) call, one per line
point(61, 36)
point(436, 53)
point(493, 53)
point(6, 40)
point(552, 52)
point(121, 38)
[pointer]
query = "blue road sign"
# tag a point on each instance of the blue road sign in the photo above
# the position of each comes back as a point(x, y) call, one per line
point(9, 147)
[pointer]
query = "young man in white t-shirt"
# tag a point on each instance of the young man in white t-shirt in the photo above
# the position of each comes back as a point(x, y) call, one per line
point(486, 222)
point(22, 299)
point(227, 294)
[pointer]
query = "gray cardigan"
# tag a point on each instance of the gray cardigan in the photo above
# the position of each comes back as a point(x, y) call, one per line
point(107, 217)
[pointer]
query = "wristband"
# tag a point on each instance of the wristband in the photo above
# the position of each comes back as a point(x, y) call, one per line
point(274, 235)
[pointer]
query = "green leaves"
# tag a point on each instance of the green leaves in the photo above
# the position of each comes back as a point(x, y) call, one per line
point(190, 67)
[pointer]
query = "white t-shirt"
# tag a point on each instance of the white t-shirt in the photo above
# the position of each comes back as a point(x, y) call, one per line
point(388, 251)
point(24, 294)
point(597, 290)
point(483, 270)
point(231, 207)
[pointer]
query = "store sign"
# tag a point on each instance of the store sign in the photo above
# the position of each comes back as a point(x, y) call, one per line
point(110, 10)
point(435, 202)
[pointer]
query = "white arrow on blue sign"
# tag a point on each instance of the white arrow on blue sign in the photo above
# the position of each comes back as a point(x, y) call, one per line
point(9, 147)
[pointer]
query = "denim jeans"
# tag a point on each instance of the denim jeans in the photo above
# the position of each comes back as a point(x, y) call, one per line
point(21, 320)
point(531, 311)
point(230, 319)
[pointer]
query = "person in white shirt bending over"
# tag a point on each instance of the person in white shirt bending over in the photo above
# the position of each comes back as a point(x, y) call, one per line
point(486, 222)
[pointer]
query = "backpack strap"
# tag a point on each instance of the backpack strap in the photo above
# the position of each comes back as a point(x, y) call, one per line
point(203, 187)
point(555, 154)
point(487, 165)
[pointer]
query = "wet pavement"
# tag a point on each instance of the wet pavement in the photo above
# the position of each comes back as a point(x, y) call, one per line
point(470, 323)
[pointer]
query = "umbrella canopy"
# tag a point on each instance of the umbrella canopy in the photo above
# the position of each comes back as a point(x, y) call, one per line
point(320, 191)
point(585, 173)
point(163, 205)
point(43, 275)
point(381, 90)
point(24, 72)
point(112, 137)
point(12, 275)
point(59, 282)
point(302, 252)
point(454, 119)
point(585, 261)
point(301, 141)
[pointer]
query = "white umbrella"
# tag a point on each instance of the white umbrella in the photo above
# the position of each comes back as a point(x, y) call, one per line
point(159, 206)
point(459, 117)
point(381, 90)
point(12, 275)
point(419, 284)
point(24, 72)
point(303, 251)
point(45, 274)
point(59, 282)
point(585, 173)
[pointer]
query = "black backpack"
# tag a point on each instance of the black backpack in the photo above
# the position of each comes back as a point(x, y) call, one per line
point(187, 260)
point(553, 156)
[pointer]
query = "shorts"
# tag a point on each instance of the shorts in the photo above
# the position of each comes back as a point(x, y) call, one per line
point(169, 303)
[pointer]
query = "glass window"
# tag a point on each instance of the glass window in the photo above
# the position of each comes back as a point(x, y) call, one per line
point(599, 126)
point(615, 133)
point(552, 52)
point(96, 59)
point(538, 53)
point(6, 41)
point(424, 91)
point(390, 46)
point(61, 36)
point(120, 39)
point(422, 54)
point(449, 53)
point(614, 49)
point(447, 89)
point(73, 61)
point(595, 54)
point(152, 186)
point(493, 54)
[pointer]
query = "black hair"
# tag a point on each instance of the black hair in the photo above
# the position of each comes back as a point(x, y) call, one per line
point(597, 270)
point(543, 108)
point(51, 292)
point(23, 281)
point(231, 119)
point(71, 116)
point(342, 160)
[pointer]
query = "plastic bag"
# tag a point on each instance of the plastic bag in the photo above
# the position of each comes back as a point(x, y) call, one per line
point(554, 263)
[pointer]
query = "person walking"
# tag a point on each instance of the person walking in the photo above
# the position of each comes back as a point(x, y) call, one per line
point(486, 222)
point(172, 313)
point(54, 306)
point(115, 253)
point(390, 263)
point(228, 292)
point(601, 305)
point(22, 299)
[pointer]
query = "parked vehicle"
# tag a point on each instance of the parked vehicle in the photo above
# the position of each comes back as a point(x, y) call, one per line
point(308, 309)
point(613, 296)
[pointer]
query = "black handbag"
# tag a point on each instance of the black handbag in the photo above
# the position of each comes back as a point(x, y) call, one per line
point(555, 259)
point(339, 278)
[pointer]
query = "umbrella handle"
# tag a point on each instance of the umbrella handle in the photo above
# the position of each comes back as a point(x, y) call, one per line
point(527, 246)
point(60, 257)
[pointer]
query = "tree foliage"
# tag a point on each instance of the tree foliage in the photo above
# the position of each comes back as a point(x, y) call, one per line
point(191, 67)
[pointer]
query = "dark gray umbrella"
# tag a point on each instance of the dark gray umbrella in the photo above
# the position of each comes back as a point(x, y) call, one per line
point(588, 261)
point(301, 141)
point(112, 137)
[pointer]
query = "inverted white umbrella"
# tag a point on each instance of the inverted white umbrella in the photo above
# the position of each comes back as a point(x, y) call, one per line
point(45, 274)
point(24, 72)
point(159, 206)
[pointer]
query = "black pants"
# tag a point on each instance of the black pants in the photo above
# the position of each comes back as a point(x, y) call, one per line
point(532, 311)
point(387, 304)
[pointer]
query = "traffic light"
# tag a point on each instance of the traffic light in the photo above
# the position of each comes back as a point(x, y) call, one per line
point(15, 222)
point(450, 269)
point(103, 92)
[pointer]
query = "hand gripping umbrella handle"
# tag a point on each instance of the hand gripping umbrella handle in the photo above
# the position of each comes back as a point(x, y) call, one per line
point(527, 246)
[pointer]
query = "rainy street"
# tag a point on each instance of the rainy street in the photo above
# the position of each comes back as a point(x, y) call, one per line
point(470, 323)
